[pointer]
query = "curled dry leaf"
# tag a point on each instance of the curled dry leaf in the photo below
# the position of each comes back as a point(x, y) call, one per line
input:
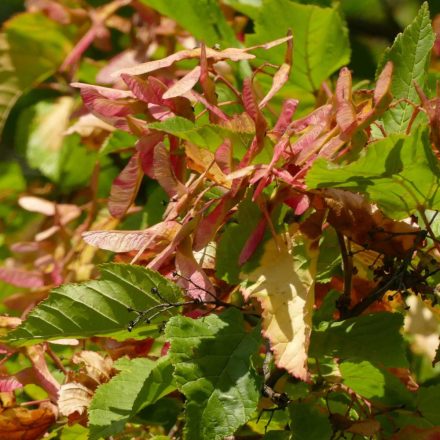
point(25, 424)
point(74, 398)
point(98, 368)
point(284, 285)
point(365, 224)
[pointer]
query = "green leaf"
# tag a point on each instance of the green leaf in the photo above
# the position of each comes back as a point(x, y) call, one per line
point(141, 382)
point(97, 307)
point(410, 55)
point(74, 432)
point(212, 360)
point(375, 384)
point(375, 337)
point(329, 260)
point(321, 43)
point(117, 140)
point(308, 422)
point(11, 179)
point(400, 173)
point(233, 239)
point(164, 412)
point(246, 7)
point(41, 138)
point(31, 49)
point(204, 19)
point(428, 403)
point(207, 136)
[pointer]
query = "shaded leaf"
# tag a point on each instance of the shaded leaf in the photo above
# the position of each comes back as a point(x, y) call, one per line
point(375, 337)
point(204, 20)
point(308, 422)
point(314, 58)
point(233, 240)
point(428, 400)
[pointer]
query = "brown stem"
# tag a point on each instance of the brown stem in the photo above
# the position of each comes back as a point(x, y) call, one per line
point(56, 359)
point(429, 229)
point(347, 262)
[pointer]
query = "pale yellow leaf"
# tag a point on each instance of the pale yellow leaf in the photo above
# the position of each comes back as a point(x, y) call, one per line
point(74, 397)
point(283, 283)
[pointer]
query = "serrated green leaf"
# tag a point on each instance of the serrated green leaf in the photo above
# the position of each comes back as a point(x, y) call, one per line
point(308, 422)
point(375, 384)
point(400, 173)
point(212, 360)
point(375, 337)
point(31, 49)
point(428, 403)
point(410, 55)
point(97, 307)
point(204, 19)
point(320, 36)
point(141, 382)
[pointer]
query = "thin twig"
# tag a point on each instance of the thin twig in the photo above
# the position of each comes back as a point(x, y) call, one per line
point(344, 301)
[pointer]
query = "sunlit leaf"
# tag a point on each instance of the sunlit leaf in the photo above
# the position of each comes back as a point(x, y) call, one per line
point(375, 384)
point(410, 55)
point(400, 173)
point(283, 283)
point(96, 307)
point(212, 361)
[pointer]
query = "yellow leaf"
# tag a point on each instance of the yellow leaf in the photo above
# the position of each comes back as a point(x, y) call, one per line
point(284, 285)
